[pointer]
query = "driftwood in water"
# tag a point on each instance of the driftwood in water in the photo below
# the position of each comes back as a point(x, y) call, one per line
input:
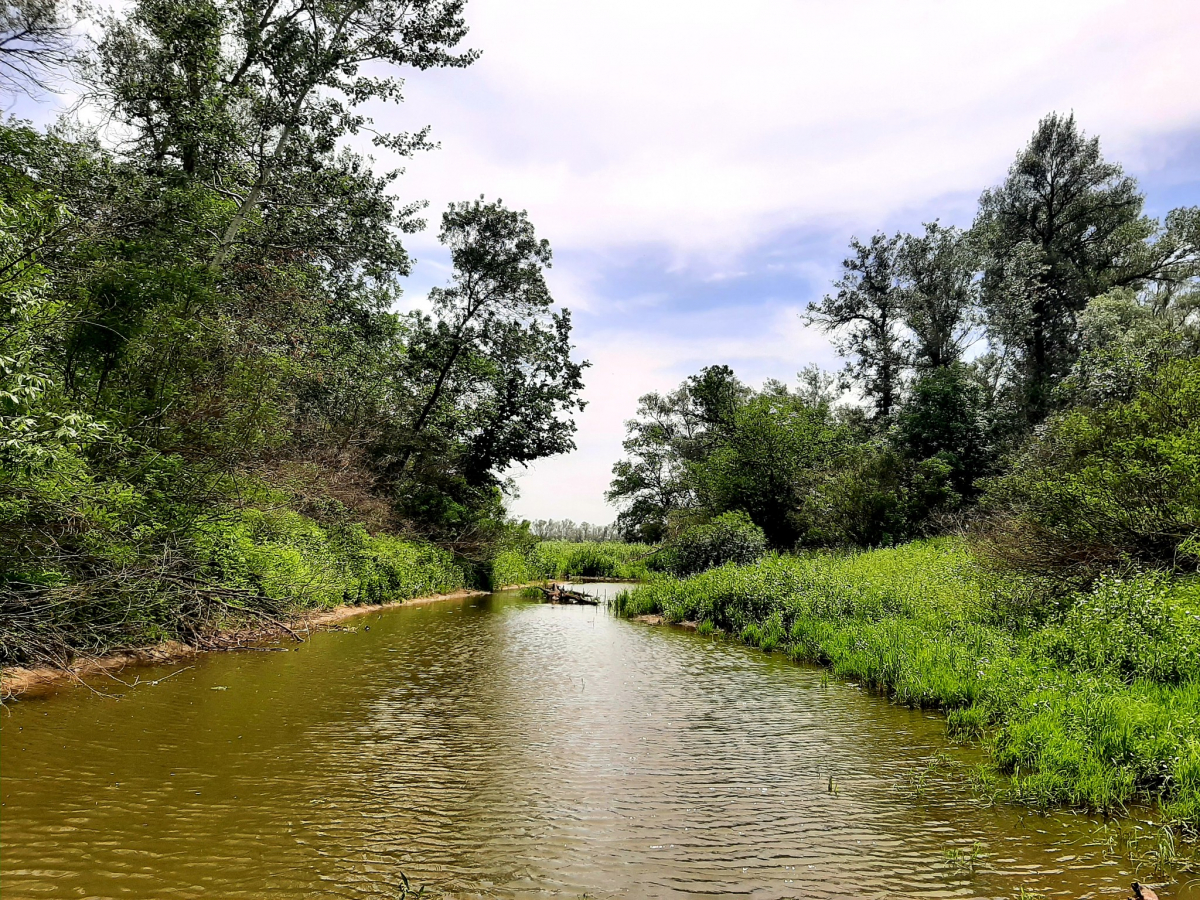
point(556, 593)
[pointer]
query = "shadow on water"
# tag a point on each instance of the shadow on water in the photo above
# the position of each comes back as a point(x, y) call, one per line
point(495, 747)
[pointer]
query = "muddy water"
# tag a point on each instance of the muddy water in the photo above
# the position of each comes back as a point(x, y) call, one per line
point(497, 748)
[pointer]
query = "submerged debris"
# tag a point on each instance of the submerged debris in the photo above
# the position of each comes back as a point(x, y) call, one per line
point(556, 593)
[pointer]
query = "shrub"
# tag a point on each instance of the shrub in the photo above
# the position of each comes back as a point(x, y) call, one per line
point(729, 538)
point(1101, 488)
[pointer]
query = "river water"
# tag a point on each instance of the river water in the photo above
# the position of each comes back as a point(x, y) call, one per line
point(494, 747)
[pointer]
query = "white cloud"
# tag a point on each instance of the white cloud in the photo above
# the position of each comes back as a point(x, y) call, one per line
point(709, 125)
point(706, 130)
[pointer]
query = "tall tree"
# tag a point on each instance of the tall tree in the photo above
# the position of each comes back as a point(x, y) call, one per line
point(864, 316)
point(1065, 226)
point(498, 283)
point(242, 90)
point(670, 434)
point(652, 481)
point(522, 404)
point(940, 295)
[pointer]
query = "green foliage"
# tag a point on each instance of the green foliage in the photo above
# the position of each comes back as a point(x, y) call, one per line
point(946, 416)
point(159, 568)
point(729, 538)
point(193, 318)
point(761, 461)
point(511, 567)
point(1066, 225)
point(1094, 702)
point(1107, 486)
point(566, 559)
point(671, 433)
point(285, 556)
point(491, 372)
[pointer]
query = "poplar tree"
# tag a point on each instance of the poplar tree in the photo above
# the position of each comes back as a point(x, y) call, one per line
point(1065, 226)
point(240, 92)
point(940, 297)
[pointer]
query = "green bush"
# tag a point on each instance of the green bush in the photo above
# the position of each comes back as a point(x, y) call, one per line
point(729, 538)
point(1108, 487)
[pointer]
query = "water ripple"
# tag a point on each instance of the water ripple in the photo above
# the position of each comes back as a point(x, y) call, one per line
point(494, 748)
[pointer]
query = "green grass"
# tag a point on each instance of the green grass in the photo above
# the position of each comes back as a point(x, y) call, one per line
point(566, 559)
point(285, 556)
point(244, 567)
point(1091, 700)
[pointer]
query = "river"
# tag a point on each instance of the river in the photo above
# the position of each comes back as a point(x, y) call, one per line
point(493, 747)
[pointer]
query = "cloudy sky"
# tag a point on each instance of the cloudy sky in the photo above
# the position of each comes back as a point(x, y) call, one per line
point(700, 167)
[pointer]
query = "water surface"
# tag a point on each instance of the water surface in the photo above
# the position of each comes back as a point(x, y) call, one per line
point(494, 747)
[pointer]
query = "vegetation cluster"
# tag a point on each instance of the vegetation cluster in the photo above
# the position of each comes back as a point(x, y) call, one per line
point(544, 560)
point(213, 403)
point(1092, 703)
point(728, 538)
point(1033, 377)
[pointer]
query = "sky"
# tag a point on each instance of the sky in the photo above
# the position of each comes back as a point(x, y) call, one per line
point(699, 168)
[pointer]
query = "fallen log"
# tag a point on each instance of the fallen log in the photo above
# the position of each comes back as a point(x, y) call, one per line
point(556, 593)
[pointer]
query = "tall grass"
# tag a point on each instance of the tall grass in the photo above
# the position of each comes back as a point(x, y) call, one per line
point(1091, 700)
point(566, 559)
point(250, 567)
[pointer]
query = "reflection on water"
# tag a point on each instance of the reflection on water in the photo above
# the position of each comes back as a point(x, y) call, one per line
point(499, 748)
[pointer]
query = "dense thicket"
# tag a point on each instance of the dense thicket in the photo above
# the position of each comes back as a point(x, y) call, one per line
point(1040, 367)
point(198, 327)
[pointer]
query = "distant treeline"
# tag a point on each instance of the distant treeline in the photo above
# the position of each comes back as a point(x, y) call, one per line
point(1035, 376)
point(566, 530)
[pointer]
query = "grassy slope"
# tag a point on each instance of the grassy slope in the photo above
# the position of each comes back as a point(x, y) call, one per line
point(241, 565)
point(1093, 703)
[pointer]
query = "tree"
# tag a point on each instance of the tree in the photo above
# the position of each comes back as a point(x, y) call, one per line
point(35, 43)
point(669, 433)
point(864, 316)
point(241, 90)
point(764, 463)
point(946, 416)
point(530, 382)
point(716, 395)
point(497, 304)
point(1065, 226)
point(940, 295)
point(652, 482)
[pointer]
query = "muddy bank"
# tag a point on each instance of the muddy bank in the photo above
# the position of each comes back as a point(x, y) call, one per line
point(18, 681)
